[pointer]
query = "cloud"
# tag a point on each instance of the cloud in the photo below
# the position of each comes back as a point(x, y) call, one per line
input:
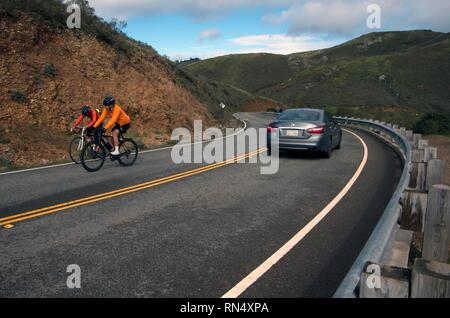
point(209, 35)
point(264, 43)
point(280, 43)
point(339, 17)
point(343, 17)
point(198, 9)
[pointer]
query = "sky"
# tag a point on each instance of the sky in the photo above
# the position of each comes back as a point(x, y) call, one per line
point(183, 29)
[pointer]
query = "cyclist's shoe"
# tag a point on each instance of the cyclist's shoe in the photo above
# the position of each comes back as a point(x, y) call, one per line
point(115, 153)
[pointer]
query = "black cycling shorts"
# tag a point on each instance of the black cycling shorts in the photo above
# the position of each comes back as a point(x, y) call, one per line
point(123, 129)
point(90, 131)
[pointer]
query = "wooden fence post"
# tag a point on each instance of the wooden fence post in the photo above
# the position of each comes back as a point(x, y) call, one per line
point(422, 143)
point(418, 176)
point(430, 153)
point(437, 224)
point(393, 282)
point(430, 279)
point(435, 172)
point(414, 210)
point(418, 155)
point(409, 135)
point(416, 139)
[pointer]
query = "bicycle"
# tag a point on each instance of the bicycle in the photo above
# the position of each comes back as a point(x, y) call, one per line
point(93, 155)
point(76, 146)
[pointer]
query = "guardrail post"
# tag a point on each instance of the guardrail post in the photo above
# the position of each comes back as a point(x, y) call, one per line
point(381, 281)
point(415, 140)
point(430, 279)
point(418, 155)
point(437, 224)
point(422, 143)
point(435, 172)
point(418, 176)
point(409, 135)
point(430, 153)
point(414, 210)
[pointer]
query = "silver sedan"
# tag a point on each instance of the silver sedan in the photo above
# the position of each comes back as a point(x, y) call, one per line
point(305, 129)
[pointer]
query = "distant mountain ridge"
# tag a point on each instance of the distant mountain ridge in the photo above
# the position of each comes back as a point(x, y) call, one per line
point(386, 69)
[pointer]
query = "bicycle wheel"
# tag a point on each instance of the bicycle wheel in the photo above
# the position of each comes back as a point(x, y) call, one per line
point(91, 159)
point(128, 152)
point(75, 148)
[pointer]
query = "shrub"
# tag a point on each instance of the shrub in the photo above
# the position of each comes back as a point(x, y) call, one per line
point(3, 139)
point(49, 70)
point(434, 124)
point(18, 96)
point(5, 162)
point(53, 12)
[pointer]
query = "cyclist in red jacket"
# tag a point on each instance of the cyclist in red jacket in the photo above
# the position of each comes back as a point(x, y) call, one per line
point(92, 114)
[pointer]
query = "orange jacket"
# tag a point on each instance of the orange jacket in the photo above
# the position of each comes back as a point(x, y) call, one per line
point(117, 115)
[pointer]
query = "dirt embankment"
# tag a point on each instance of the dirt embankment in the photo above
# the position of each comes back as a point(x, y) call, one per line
point(47, 74)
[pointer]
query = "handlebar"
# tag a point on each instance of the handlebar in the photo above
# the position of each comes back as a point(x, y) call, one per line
point(78, 129)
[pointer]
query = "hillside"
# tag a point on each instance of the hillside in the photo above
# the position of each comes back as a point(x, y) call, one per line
point(410, 70)
point(47, 72)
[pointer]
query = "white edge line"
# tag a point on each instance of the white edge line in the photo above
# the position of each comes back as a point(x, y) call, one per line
point(141, 152)
point(251, 278)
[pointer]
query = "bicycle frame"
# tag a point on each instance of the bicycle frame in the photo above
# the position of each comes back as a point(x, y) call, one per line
point(81, 144)
point(107, 140)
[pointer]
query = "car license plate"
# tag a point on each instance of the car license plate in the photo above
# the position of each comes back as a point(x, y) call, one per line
point(292, 133)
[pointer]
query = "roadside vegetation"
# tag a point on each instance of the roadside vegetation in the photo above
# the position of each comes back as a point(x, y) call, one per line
point(54, 14)
point(18, 96)
point(434, 124)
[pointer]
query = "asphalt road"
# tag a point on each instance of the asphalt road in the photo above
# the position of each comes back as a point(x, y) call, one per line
point(197, 236)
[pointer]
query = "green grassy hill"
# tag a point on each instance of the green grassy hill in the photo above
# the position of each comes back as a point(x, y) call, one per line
point(407, 71)
point(252, 72)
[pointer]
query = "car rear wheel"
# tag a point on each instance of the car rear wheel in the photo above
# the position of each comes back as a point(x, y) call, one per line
point(327, 153)
point(339, 144)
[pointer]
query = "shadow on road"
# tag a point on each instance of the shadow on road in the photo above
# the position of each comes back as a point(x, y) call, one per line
point(300, 154)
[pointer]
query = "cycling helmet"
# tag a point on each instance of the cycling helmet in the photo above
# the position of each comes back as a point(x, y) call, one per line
point(109, 101)
point(85, 110)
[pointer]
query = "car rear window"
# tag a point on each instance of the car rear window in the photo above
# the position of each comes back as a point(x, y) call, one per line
point(300, 115)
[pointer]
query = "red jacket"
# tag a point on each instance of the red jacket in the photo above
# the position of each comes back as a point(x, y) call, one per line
point(92, 115)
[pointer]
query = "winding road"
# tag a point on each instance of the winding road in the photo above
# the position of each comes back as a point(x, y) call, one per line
point(158, 229)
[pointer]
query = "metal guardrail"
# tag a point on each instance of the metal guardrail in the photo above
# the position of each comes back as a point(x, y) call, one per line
point(382, 234)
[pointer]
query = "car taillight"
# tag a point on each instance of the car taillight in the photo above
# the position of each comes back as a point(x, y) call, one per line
point(316, 130)
point(271, 129)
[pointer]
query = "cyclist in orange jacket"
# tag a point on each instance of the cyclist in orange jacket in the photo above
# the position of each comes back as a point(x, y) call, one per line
point(119, 119)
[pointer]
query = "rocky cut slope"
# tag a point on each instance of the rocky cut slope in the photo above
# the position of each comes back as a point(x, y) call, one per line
point(47, 73)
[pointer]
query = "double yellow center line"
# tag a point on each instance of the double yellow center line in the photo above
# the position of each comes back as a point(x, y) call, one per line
point(8, 221)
